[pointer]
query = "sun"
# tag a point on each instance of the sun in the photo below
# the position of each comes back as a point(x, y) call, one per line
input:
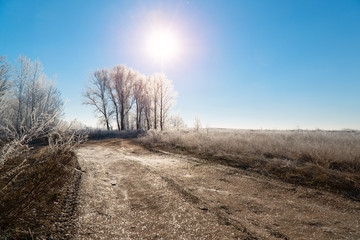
point(162, 45)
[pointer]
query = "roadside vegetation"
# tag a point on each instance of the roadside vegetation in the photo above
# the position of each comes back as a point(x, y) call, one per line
point(100, 134)
point(37, 161)
point(326, 159)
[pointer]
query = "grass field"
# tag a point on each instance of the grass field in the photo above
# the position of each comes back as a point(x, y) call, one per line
point(327, 159)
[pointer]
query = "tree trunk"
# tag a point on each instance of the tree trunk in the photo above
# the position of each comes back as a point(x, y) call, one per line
point(155, 115)
point(161, 110)
point(122, 116)
point(107, 124)
point(147, 115)
point(137, 116)
point(117, 116)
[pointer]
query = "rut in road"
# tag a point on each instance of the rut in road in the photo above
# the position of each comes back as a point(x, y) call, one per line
point(128, 192)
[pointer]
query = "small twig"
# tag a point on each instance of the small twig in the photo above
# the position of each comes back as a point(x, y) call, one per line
point(32, 236)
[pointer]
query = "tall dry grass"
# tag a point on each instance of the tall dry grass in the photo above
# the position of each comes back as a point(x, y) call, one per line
point(33, 182)
point(329, 159)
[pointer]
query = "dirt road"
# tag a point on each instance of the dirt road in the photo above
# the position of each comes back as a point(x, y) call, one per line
point(128, 192)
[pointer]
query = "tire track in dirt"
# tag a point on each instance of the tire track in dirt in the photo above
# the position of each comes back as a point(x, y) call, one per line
point(64, 223)
point(128, 192)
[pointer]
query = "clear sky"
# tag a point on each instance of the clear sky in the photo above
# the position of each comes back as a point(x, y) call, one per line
point(241, 64)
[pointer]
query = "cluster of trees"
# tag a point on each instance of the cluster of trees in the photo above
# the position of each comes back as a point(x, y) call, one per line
point(28, 99)
point(130, 99)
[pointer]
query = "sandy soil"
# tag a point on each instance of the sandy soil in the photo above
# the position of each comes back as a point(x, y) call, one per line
point(128, 192)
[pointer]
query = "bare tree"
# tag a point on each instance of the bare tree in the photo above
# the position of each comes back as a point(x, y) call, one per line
point(148, 102)
point(31, 101)
point(97, 96)
point(122, 79)
point(167, 97)
point(197, 123)
point(5, 70)
point(140, 97)
point(113, 98)
point(36, 95)
point(177, 122)
point(155, 88)
point(22, 74)
point(34, 98)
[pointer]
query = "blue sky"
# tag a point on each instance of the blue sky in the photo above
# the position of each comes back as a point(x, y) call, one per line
point(243, 64)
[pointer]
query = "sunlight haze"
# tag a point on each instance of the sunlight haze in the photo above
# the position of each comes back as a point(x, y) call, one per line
point(162, 45)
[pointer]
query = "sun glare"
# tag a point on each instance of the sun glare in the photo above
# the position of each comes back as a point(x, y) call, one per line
point(162, 45)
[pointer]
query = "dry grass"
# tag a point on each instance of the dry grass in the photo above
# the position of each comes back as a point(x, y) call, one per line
point(314, 158)
point(30, 198)
point(33, 185)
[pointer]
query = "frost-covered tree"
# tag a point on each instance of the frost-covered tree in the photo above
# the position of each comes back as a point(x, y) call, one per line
point(148, 103)
point(140, 96)
point(176, 122)
point(31, 101)
point(197, 123)
point(136, 101)
point(161, 98)
point(22, 76)
point(5, 71)
point(97, 95)
point(155, 88)
point(36, 95)
point(167, 98)
point(122, 80)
